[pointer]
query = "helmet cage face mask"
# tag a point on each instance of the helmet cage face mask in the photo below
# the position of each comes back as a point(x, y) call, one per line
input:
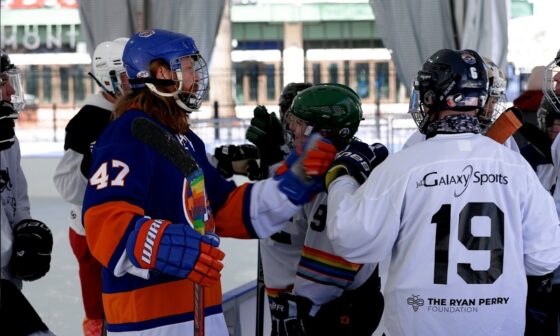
point(496, 103)
point(415, 109)
point(190, 77)
point(494, 107)
point(12, 88)
point(296, 130)
point(196, 78)
point(547, 115)
point(551, 84)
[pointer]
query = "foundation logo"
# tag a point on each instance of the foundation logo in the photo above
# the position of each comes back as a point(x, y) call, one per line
point(415, 301)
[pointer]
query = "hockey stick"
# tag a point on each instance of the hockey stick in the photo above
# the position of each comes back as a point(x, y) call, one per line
point(259, 323)
point(504, 127)
point(165, 144)
point(538, 139)
point(511, 121)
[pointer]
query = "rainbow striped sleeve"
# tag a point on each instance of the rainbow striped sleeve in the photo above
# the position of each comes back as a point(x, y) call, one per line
point(327, 269)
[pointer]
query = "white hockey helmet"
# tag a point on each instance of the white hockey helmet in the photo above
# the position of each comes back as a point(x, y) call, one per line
point(107, 65)
point(496, 103)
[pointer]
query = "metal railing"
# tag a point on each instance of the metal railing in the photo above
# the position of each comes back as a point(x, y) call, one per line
point(47, 126)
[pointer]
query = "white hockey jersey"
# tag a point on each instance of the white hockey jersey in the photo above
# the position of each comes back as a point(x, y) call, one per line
point(68, 179)
point(300, 259)
point(15, 204)
point(463, 221)
point(417, 137)
point(555, 151)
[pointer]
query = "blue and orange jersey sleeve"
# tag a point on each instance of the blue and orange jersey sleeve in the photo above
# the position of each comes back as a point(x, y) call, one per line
point(233, 219)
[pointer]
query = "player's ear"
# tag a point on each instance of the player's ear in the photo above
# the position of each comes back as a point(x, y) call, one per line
point(162, 72)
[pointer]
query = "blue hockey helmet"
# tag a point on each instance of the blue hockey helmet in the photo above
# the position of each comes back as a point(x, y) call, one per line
point(158, 44)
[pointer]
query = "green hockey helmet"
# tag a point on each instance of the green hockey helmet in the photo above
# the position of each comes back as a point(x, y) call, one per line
point(333, 110)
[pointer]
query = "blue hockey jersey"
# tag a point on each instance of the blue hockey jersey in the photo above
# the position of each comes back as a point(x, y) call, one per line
point(129, 180)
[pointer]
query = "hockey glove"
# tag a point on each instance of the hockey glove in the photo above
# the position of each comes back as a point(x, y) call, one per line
point(540, 312)
point(357, 160)
point(176, 250)
point(31, 254)
point(267, 134)
point(301, 175)
point(7, 134)
point(289, 315)
point(234, 159)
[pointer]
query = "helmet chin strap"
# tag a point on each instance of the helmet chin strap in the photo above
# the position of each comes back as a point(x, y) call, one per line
point(182, 105)
point(175, 95)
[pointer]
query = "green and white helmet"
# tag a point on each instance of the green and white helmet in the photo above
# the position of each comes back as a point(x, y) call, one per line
point(333, 110)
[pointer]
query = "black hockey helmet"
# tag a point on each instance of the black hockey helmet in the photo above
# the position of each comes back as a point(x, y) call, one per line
point(449, 80)
point(5, 63)
point(288, 94)
point(547, 113)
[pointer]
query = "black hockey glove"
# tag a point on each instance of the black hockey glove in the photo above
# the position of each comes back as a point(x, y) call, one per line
point(7, 116)
point(355, 313)
point(267, 134)
point(540, 312)
point(289, 314)
point(358, 160)
point(31, 254)
point(233, 159)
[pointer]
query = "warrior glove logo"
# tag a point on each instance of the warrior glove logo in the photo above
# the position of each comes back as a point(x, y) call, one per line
point(149, 242)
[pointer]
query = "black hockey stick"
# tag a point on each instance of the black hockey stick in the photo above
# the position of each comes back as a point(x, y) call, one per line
point(259, 323)
point(169, 147)
point(538, 139)
point(164, 143)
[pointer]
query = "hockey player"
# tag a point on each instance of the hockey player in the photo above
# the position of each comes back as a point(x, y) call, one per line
point(26, 243)
point(551, 90)
point(311, 290)
point(141, 205)
point(460, 217)
point(548, 117)
point(541, 306)
point(493, 108)
point(71, 174)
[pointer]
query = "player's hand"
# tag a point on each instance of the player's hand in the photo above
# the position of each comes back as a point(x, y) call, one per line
point(175, 249)
point(31, 252)
point(539, 304)
point(301, 174)
point(267, 134)
point(357, 159)
point(289, 314)
point(7, 134)
point(233, 159)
